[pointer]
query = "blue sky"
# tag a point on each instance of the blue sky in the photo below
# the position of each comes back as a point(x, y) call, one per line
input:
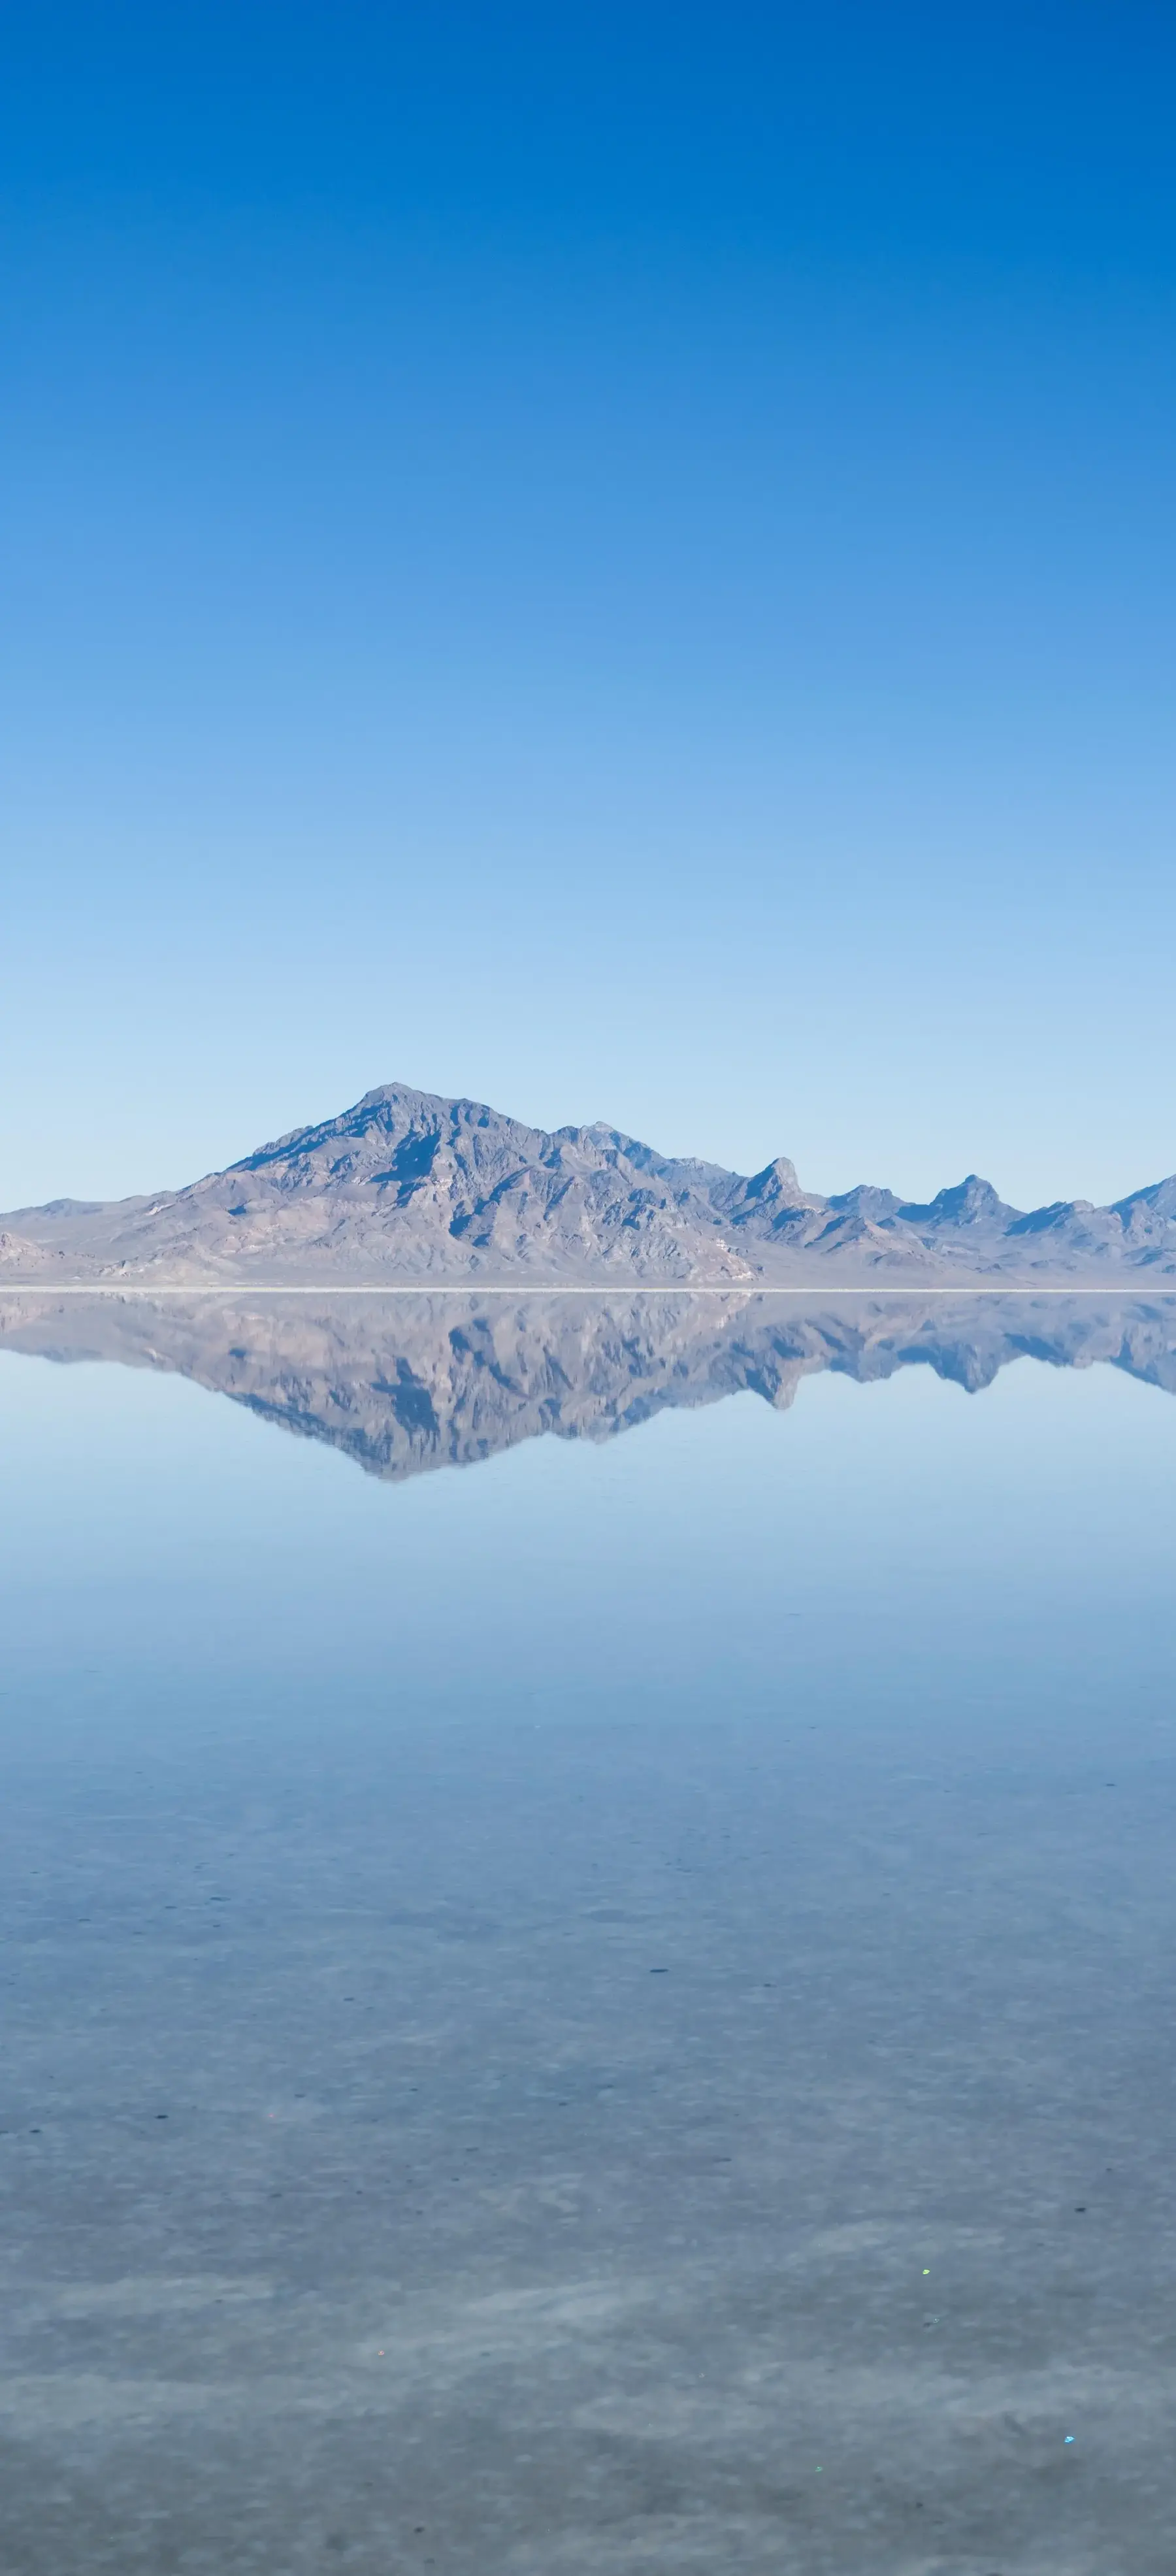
point(619, 560)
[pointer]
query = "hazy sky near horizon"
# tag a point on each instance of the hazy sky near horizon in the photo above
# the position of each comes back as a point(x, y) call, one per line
point(619, 560)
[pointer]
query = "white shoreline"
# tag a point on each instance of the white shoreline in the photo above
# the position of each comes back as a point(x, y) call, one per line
point(560, 1288)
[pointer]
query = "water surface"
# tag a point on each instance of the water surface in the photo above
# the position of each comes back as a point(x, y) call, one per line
point(608, 2007)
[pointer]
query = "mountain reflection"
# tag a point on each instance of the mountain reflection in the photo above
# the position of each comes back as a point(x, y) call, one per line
point(409, 1382)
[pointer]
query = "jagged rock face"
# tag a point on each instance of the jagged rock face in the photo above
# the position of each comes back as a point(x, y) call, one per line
point(971, 1203)
point(405, 1384)
point(17, 1253)
point(409, 1187)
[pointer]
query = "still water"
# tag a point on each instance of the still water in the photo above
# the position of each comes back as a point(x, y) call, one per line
point(588, 1945)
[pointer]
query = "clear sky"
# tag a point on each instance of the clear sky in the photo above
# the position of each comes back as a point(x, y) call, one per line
point(615, 558)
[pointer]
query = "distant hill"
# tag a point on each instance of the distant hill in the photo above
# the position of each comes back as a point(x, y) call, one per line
point(407, 1188)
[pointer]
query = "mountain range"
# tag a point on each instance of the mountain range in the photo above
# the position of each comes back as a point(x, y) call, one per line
point(408, 1188)
point(405, 1384)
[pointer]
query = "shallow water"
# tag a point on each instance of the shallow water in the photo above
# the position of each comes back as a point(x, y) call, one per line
point(607, 2008)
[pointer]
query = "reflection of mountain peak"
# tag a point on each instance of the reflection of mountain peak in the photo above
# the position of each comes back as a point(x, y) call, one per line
point(406, 1186)
point(405, 1383)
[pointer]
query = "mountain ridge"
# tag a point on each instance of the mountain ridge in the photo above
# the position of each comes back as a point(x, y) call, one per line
point(411, 1187)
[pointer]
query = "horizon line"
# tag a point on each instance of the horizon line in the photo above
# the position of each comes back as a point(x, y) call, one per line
point(657, 1288)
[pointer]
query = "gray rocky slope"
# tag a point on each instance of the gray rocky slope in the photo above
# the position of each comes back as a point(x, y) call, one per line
point(407, 1187)
point(404, 1384)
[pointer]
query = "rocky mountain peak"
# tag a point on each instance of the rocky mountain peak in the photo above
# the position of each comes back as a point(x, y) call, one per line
point(407, 1185)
